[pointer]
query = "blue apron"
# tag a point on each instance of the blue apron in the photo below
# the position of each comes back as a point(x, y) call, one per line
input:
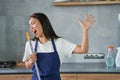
point(48, 64)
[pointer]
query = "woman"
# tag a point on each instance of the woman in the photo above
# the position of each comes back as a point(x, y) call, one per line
point(50, 49)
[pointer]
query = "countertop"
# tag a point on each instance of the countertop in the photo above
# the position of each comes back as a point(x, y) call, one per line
point(80, 68)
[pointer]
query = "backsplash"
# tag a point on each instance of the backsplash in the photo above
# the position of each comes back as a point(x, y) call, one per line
point(14, 22)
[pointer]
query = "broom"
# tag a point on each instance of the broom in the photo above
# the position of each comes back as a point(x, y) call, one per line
point(36, 66)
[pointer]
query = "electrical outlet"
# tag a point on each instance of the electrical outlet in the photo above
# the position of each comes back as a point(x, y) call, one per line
point(94, 56)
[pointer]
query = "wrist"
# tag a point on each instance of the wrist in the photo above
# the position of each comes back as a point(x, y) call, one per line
point(84, 30)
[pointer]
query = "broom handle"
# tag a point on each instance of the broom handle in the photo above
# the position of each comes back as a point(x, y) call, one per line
point(36, 66)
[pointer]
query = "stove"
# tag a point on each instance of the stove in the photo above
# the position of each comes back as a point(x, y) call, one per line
point(7, 64)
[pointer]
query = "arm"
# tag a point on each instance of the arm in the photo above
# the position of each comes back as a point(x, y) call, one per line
point(85, 25)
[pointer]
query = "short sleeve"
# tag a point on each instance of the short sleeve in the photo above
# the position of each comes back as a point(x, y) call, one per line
point(65, 48)
point(26, 52)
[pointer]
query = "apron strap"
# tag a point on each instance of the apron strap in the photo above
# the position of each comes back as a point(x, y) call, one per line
point(36, 44)
point(53, 43)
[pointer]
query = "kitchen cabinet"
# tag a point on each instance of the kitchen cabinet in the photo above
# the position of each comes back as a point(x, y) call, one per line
point(90, 76)
point(98, 76)
point(85, 3)
point(64, 76)
point(68, 76)
point(28, 76)
point(15, 77)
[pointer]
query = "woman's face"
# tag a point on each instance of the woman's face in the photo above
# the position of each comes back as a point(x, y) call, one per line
point(35, 27)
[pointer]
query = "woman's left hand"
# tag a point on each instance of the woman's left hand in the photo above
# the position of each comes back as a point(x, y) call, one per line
point(87, 23)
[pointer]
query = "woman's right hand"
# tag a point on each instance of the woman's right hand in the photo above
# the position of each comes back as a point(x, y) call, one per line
point(31, 60)
point(33, 57)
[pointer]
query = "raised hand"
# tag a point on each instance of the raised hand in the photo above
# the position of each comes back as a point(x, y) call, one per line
point(87, 23)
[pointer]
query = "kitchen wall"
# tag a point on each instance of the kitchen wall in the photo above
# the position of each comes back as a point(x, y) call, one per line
point(14, 22)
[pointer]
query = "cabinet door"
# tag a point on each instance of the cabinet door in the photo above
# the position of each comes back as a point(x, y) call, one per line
point(27, 77)
point(15, 77)
point(68, 76)
point(98, 76)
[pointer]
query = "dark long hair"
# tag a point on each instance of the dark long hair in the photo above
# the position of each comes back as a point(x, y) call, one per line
point(46, 26)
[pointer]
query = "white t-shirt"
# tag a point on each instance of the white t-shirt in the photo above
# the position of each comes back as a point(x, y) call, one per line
point(64, 48)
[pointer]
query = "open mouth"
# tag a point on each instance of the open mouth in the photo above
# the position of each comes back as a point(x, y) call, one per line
point(35, 31)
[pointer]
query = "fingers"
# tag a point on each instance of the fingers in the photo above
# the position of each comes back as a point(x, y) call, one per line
point(80, 21)
point(90, 18)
